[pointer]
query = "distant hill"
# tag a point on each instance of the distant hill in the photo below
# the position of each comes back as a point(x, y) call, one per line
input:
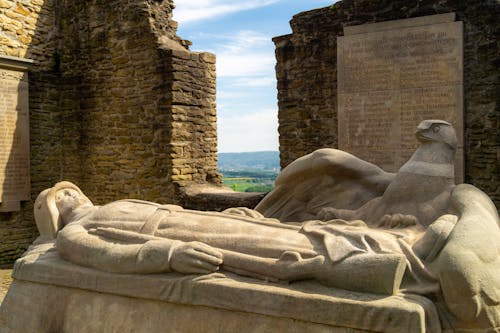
point(259, 160)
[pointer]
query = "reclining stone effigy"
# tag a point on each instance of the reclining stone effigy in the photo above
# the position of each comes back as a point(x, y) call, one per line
point(373, 251)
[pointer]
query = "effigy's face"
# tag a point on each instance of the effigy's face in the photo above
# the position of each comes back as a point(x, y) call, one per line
point(68, 199)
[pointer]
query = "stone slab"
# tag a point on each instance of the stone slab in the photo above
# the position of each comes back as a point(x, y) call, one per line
point(390, 80)
point(218, 297)
point(14, 136)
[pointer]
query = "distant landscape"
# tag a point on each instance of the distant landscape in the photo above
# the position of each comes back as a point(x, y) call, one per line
point(249, 171)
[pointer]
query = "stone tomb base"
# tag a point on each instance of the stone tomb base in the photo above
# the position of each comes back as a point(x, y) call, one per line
point(46, 308)
point(51, 295)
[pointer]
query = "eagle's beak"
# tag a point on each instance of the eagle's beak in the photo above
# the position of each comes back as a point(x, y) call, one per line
point(420, 134)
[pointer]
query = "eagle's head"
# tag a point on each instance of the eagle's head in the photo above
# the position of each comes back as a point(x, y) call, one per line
point(433, 130)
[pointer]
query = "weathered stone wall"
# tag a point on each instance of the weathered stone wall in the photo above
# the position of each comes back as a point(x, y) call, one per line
point(307, 96)
point(194, 131)
point(146, 110)
point(307, 78)
point(118, 104)
point(113, 126)
point(20, 33)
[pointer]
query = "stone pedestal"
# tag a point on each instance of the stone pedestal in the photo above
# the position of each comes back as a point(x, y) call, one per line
point(51, 295)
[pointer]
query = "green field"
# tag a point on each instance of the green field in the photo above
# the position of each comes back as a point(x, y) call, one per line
point(249, 181)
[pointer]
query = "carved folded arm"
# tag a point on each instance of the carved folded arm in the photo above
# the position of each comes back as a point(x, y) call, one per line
point(122, 251)
point(77, 245)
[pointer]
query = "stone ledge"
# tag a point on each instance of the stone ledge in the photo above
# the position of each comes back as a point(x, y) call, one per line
point(15, 63)
point(216, 198)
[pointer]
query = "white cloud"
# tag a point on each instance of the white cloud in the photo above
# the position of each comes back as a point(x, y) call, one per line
point(197, 10)
point(243, 40)
point(249, 132)
point(229, 95)
point(246, 53)
point(245, 59)
point(252, 82)
point(252, 64)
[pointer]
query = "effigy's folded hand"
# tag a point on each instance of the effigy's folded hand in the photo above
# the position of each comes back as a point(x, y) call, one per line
point(327, 213)
point(397, 221)
point(331, 213)
point(195, 258)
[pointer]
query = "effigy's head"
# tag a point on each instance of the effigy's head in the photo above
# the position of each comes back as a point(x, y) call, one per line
point(437, 131)
point(54, 203)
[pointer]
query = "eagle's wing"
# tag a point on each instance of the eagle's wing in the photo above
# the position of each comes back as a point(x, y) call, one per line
point(468, 266)
point(324, 178)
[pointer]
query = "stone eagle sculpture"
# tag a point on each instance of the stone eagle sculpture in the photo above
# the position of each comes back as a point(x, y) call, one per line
point(417, 194)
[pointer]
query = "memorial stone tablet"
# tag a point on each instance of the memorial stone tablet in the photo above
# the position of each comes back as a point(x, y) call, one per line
point(14, 134)
point(392, 75)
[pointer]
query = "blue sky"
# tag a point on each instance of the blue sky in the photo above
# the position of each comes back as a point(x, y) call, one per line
point(239, 33)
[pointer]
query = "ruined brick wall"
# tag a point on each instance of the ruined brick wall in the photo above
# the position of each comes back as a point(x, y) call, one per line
point(307, 78)
point(307, 95)
point(147, 104)
point(20, 33)
point(116, 130)
point(118, 104)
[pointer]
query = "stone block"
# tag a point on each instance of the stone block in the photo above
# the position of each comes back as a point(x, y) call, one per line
point(13, 15)
point(20, 9)
point(5, 4)
point(208, 57)
point(181, 177)
point(182, 54)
